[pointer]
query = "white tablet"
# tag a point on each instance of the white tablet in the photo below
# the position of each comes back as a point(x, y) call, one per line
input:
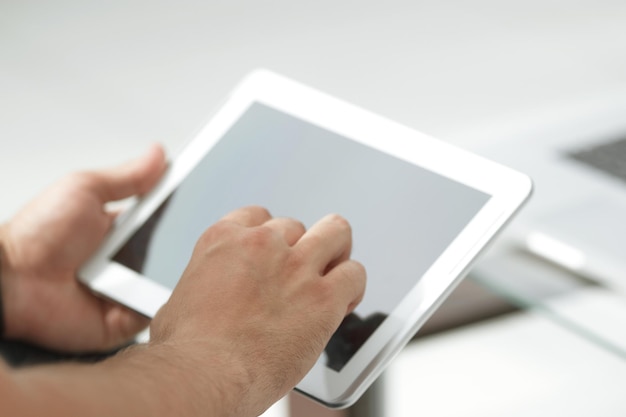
point(421, 211)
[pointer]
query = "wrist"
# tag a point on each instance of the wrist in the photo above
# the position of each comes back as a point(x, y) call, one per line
point(144, 380)
point(4, 273)
point(9, 300)
point(2, 319)
point(180, 384)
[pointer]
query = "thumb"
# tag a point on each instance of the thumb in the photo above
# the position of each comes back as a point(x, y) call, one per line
point(121, 325)
point(135, 177)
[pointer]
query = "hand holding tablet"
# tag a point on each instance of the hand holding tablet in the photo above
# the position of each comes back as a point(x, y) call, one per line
point(421, 211)
point(43, 246)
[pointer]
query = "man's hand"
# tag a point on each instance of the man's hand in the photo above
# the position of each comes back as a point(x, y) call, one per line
point(44, 245)
point(252, 312)
point(255, 307)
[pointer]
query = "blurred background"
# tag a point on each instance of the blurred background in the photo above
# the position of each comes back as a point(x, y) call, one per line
point(89, 84)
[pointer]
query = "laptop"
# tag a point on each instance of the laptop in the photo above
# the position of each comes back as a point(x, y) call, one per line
point(576, 156)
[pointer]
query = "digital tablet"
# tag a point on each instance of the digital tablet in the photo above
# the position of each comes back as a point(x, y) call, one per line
point(421, 211)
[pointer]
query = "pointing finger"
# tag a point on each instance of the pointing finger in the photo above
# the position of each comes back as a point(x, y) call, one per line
point(327, 242)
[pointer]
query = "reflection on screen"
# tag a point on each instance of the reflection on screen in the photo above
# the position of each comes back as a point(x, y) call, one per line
point(402, 216)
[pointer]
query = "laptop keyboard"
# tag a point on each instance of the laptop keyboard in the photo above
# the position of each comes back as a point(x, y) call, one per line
point(609, 157)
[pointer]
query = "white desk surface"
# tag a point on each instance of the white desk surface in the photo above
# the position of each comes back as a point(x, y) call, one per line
point(515, 366)
point(86, 84)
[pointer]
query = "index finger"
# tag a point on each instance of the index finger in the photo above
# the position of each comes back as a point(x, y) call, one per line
point(327, 243)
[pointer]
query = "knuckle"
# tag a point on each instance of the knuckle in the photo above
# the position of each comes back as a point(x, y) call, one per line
point(247, 214)
point(346, 273)
point(357, 275)
point(316, 241)
point(257, 211)
point(359, 269)
point(352, 272)
point(258, 237)
point(298, 224)
point(340, 222)
point(217, 231)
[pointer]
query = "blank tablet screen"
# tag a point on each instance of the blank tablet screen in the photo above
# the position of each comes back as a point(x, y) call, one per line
point(403, 216)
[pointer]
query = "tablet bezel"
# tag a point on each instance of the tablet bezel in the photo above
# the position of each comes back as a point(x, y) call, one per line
point(508, 190)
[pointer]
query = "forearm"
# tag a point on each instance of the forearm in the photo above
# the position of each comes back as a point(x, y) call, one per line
point(12, 301)
point(2, 284)
point(141, 381)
